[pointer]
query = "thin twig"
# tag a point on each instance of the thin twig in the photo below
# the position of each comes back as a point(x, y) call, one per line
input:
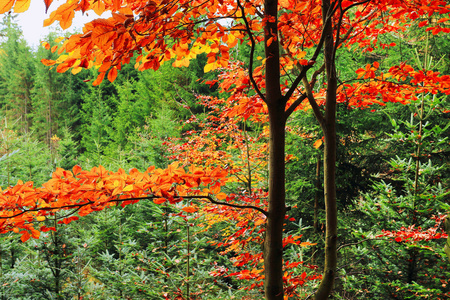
point(252, 52)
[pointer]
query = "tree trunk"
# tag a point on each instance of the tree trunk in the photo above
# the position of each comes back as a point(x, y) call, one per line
point(316, 206)
point(273, 243)
point(329, 164)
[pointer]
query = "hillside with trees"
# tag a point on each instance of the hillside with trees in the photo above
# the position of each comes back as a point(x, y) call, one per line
point(227, 150)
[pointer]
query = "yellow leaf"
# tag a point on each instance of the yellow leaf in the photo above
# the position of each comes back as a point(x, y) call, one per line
point(62, 58)
point(76, 70)
point(209, 67)
point(128, 188)
point(40, 218)
point(21, 6)
point(232, 40)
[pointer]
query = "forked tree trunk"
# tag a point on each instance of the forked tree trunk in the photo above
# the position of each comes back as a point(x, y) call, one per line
point(273, 247)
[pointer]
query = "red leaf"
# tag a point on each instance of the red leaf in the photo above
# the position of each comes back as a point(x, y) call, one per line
point(47, 4)
point(423, 23)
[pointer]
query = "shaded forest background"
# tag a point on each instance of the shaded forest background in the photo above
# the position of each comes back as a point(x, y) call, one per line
point(145, 251)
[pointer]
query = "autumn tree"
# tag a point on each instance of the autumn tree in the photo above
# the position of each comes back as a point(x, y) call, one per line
point(301, 41)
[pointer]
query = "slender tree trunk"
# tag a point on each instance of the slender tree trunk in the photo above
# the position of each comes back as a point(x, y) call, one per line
point(273, 243)
point(317, 195)
point(329, 164)
point(316, 205)
point(188, 261)
point(57, 262)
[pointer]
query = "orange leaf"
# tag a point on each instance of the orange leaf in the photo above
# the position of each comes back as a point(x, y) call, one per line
point(25, 236)
point(112, 75)
point(215, 189)
point(99, 79)
point(317, 143)
point(48, 62)
point(259, 222)
point(64, 14)
point(189, 209)
point(159, 200)
point(221, 196)
point(76, 169)
point(35, 234)
point(6, 6)
point(99, 7)
point(360, 72)
point(46, 45)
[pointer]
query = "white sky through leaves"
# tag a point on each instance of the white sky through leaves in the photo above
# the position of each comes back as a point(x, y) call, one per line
point(32, 22)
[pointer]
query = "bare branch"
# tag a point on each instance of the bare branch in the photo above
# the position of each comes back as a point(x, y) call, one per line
point(252, 52)
point(309, 95)
point(294, 105)
point(359, 242)
point(237, 205)
point(312, 101)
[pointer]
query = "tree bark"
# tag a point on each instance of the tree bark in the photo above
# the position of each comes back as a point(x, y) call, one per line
point(329, 164)
point(273, 243)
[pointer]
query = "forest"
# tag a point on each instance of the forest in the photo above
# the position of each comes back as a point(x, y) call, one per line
point(221, 149)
